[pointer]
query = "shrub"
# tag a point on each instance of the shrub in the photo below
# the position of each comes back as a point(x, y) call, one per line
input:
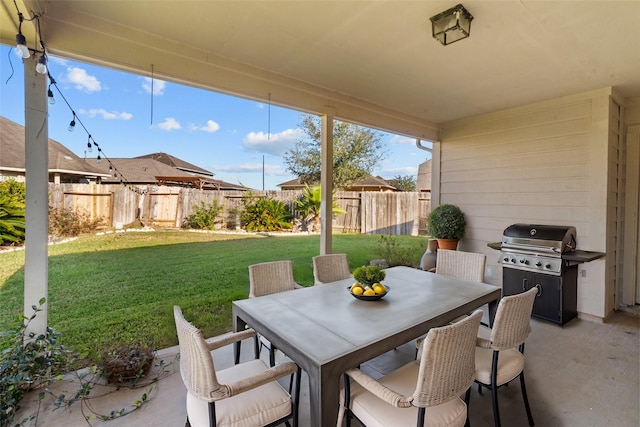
point(12, 211)
point(391, 251)
point(204, 217)
point(265, 214)
point(66, 223)
point(12, 220)
point(14, 190)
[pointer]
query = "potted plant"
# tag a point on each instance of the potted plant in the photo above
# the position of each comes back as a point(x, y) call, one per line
point(369, 275)
point(446, 223)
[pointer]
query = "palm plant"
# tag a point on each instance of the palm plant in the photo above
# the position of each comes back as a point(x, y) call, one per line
point(308, 205)
point(12, 220)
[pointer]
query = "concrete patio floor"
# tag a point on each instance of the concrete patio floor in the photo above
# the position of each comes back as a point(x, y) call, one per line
point(585, 374)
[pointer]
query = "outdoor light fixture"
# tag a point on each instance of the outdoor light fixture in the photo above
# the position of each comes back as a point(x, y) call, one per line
point(452, 25)
point(89, 149)
point(52, 100)
point(21, 46)
point(41, 67)
point(72, 125)
point(98, 159)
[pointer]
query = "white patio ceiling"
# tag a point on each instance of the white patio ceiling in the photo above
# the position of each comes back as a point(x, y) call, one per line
point(370, 62)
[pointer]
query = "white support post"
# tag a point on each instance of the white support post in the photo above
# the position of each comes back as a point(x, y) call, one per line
point(326, 183)
point(36, 153)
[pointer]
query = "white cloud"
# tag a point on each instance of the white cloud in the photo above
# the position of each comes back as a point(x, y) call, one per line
point(398, 139)
point(211, 127)
point(59, 61)
point(276, 143)
point(107, 115)
point(158, 85)
point(82, 80)
point(169, 124)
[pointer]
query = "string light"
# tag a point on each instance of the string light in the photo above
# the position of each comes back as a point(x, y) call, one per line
point(23, 51)
point(41, 67)
point(21, 42)
point(72, 124)
point(52, 100)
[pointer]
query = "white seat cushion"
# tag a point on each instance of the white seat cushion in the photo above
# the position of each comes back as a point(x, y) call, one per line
point(256, 407)
point(510, 364)
point(373, 411)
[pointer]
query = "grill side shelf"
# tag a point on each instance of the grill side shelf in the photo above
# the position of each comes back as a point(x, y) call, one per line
point(495, 245)
point(582, 256)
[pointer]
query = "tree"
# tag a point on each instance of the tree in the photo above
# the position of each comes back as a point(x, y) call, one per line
point(404, 183)
point(356, 152)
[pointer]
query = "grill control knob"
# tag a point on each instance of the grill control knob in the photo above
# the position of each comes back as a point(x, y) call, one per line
point(538, 264)
point(547, 266)
point(506, 259)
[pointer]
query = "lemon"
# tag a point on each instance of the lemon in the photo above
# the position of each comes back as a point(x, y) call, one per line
point(356, 285)
point(379, 288)
point(369, 293)
point(357, 290)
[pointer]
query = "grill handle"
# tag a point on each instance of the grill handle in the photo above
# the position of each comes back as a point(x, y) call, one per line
point(539, 290)
point(524, 285)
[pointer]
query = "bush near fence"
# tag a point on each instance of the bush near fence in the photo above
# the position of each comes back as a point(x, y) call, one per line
point(396, 213)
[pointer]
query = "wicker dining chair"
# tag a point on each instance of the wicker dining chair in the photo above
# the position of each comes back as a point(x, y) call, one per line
point(424, 394)
point(330, 268)
point(463, 265)
point(498, 362)
point(268, 278)
point(459, 264)
point(246, 394)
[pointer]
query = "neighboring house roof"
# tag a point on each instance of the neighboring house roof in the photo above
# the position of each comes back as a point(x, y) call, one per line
point(62, 161)
point(368, 183)
point(147, 171)
point(177, 163)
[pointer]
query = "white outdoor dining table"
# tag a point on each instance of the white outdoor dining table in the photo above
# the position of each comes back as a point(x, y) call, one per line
point(327, 331)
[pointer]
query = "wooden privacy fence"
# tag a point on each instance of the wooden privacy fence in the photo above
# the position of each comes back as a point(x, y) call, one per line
point(162, 206)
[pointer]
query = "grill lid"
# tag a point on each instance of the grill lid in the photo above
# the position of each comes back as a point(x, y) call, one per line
point(553, 238)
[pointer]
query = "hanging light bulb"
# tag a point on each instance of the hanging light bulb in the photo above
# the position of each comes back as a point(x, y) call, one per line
point(98, 159)
point(41, 66)
point(110, 168)
point(52, 100)
point(21, 46)
point(89, 144)
point(72, 125)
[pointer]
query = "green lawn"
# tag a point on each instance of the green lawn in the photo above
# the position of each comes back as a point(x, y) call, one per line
point(111, 289)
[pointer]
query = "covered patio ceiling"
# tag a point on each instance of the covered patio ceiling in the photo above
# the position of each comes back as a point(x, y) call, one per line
point(368, 62)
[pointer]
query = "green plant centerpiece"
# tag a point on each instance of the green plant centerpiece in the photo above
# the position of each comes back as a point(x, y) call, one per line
point(368, 278)
point(447, 224)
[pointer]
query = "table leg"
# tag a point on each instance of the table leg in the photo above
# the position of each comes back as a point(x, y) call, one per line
point(324, 395)
point(493, 307)
point(238, 325)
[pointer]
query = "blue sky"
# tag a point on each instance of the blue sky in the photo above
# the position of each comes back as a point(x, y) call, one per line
point(223, 134)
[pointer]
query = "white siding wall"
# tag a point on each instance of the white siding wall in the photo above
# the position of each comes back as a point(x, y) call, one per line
point(545, 163)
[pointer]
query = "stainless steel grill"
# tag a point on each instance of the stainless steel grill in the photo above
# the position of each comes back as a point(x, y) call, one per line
point(538, 248)
point(545, 257)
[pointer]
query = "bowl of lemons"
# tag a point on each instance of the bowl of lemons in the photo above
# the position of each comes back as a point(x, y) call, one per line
point(368, 293)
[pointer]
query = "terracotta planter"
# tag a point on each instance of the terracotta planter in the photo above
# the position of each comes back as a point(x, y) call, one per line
point(448, 244)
